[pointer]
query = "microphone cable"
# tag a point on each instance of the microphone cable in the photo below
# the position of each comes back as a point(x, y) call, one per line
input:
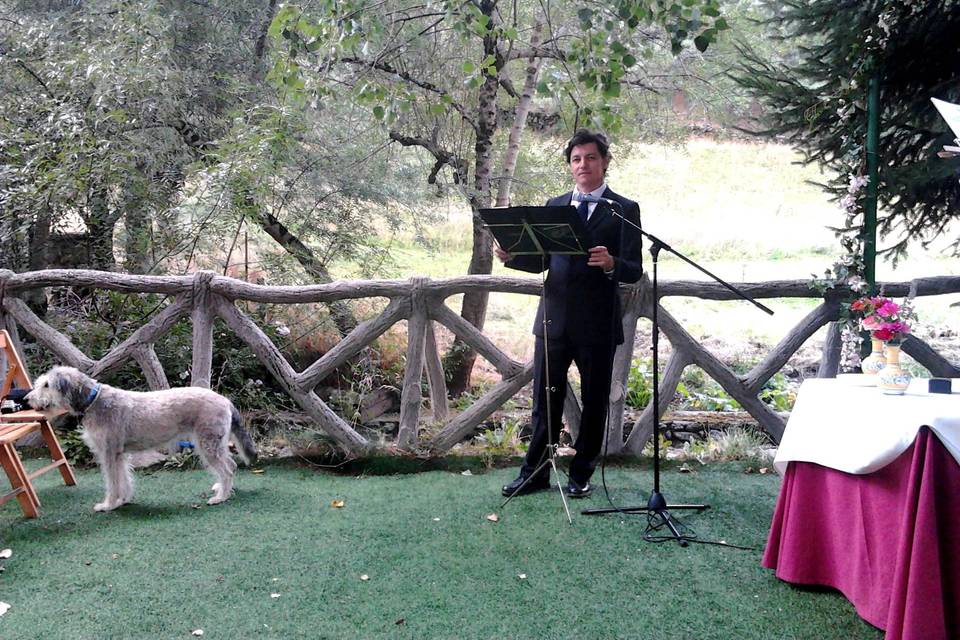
point(613, 352)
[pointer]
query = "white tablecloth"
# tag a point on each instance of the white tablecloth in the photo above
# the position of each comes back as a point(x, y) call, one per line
point(841, 424)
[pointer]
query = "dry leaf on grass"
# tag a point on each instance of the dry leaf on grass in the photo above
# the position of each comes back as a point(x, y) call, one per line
point(274, 595)
point(364, 577)
point(466, 473)
point(257, 471)
point(522, 576)
point(764, 470)
point(400, 621)
point(493, 517)
point(197, 632)
point(337, 504)
point(436, 519)
point(6, 553)
point(4, 607)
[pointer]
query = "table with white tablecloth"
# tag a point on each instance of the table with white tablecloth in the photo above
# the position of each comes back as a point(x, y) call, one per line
point(870, 503)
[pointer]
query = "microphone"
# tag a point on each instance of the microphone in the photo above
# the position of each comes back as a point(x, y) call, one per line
point(595, 200)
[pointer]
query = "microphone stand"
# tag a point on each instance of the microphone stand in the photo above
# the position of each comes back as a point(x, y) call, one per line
point(657, 508)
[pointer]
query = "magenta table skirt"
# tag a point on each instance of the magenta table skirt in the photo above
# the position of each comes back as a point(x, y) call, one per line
point(889, 540)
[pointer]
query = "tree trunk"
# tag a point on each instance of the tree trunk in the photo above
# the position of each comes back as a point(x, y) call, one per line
point(520, 120)
point(137, 222)
point(100, 221)
point(460, 358)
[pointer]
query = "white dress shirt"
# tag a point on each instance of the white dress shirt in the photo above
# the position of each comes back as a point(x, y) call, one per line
point(596, 194)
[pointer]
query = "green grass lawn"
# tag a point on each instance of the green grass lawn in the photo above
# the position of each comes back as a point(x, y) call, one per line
point(436, 567)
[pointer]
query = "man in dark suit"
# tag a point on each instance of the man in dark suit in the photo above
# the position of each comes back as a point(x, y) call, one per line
point(579, 317)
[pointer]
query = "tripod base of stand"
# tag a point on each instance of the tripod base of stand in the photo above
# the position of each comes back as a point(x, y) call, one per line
point(551, 460)
point(658, 518)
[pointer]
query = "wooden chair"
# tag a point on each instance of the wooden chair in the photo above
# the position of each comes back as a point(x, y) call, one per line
point(14, 426)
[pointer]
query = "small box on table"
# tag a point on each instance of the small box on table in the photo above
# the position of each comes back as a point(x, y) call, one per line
point(940, 385)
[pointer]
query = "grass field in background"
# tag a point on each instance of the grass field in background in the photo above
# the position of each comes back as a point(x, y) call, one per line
point(436, 567)
point(747, 211)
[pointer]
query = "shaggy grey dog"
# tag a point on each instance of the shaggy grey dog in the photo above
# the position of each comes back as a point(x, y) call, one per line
point(117, 422)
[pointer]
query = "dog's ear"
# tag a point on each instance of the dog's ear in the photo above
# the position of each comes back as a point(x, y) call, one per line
point(74, 393)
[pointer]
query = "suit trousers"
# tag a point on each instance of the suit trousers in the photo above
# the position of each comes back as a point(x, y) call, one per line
point(595, 363)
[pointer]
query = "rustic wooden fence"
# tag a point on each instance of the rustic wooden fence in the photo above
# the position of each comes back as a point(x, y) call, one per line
point(421, 302)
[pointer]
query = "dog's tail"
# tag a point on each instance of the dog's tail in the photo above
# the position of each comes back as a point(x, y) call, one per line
point(248, 450)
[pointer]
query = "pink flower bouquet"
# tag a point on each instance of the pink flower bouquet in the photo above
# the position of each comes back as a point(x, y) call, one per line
point(883, 318)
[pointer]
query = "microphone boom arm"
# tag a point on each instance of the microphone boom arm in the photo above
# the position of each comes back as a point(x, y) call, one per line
point(657, 244)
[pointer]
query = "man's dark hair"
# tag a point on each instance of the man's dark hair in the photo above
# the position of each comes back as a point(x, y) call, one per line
point(585, 136)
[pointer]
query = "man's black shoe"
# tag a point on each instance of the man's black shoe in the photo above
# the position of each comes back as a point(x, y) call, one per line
point(577, 490)
point(517, 488)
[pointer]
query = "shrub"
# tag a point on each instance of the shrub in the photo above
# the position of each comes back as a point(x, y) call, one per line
point(736, 443)
point(502, 440)
point(778, 393)
point(639, 385)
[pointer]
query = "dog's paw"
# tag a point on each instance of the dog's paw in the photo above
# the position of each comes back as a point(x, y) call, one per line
point(104, 506)
point(217, 499)
point(215, 488)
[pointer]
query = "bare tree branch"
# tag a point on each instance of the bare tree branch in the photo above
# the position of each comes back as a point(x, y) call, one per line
point(459, 165)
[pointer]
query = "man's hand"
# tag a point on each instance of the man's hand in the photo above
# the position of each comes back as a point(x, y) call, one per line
point(600, 257)
point(502, 255)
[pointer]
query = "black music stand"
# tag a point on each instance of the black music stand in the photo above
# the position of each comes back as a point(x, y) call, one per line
point(537, 231)
point(540, 231)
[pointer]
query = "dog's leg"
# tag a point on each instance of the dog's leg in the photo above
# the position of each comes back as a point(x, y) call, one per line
point(216, 456)
point(125, 487)
point(112, 470)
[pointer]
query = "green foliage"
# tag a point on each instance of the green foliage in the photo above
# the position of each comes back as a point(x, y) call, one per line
point(502, 440)
point(93, 124)
point(734, 444)
point(465, 400)
point(816, 100)
point(149, 123)
point(76, 450)
point(460, 50)
point(779, 393)
point(696, 392)
point(639, 385)
point(186, 459)
point(663, 444)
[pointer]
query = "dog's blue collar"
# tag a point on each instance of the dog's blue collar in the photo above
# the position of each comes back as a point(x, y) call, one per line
point(92, 397)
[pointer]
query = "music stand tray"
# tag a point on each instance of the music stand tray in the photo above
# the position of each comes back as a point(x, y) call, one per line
point(537, 231)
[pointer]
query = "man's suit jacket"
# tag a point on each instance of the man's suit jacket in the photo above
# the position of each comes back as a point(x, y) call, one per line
point(581, 302)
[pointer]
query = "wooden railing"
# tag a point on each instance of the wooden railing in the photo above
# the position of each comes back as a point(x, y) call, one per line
point(421, 302)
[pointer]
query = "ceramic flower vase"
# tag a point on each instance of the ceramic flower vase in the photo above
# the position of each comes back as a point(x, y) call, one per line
point(892, 379)
point(873, 363)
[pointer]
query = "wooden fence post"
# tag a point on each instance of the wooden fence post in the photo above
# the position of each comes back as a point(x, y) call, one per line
point(438, 383)
point(201, 316)
point(411, 397)
point(622, 361)
point(830, 353)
